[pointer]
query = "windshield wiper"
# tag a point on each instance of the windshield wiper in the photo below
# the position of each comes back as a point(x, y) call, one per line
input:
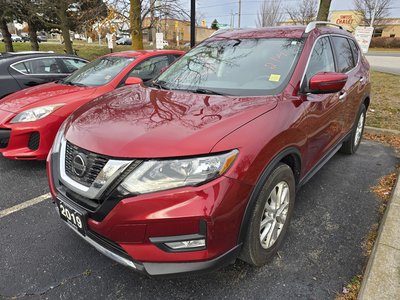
point(207, 91)
point(77, 84)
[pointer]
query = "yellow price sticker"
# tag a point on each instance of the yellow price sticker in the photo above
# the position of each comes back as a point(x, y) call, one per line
point(274, 77)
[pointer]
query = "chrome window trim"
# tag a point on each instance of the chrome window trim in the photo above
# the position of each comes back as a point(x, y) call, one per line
point(107, 175)
point(43, 74)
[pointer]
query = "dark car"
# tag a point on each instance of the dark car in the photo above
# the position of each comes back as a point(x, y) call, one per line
point(202, 166)
point(40, 38)
point(19, 70)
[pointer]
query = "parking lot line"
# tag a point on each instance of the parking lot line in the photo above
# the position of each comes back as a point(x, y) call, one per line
point(24, 205)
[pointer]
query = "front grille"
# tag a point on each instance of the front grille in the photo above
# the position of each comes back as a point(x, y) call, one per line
point(94, 164)
point(34, 140)
point(4, 137)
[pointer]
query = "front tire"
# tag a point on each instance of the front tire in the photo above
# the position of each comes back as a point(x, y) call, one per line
point(351, 145)
point(270, 217)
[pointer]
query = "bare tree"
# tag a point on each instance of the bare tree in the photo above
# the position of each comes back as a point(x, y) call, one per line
point(269, 13)
point(147, 9)
point(366, 9)
point(304, 12)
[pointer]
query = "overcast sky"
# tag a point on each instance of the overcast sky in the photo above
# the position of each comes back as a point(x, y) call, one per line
point(221, 10)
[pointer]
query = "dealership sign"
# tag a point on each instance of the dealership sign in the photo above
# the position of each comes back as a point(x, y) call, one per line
point(345, 20)
point(363, 36)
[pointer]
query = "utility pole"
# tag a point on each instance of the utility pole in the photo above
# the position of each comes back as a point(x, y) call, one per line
point(240, 12)
point(153, 23)
point(192, 23)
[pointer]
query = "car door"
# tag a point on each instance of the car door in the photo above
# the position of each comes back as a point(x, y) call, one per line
point(35, 71)
point(323, 115)
point(347, 57)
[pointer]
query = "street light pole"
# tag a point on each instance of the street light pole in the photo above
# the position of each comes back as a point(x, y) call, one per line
point(192, 23)
point(240, 12)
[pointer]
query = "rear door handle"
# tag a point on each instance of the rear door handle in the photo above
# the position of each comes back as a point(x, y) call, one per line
point(342, 95)
point(362, 78)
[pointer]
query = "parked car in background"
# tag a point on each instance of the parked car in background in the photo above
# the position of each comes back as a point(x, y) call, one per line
point(42, 38)
point(29, 119)
point(202, 166)
point(16, 38)
point(25, 38)
point(20, 70)
point(124, 41)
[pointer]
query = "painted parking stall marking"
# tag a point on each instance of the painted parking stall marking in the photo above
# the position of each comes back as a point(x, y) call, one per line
point(11, 210)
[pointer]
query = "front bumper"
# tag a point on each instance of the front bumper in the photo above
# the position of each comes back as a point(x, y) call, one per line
point(159, 268)
point(133, 229)
point(30, 140)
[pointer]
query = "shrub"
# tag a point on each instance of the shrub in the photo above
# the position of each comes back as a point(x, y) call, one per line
point(385, 42)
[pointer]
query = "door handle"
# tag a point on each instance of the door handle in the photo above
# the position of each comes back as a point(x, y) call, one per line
point(362, 78)
point(342, 95)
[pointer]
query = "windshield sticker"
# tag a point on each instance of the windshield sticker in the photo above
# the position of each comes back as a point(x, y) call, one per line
point(274, 77)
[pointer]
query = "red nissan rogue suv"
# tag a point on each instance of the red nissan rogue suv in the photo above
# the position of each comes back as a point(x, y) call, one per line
point(201, 167)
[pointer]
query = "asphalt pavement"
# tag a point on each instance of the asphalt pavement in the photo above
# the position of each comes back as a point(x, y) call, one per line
point(387, 62)
point(42, 258)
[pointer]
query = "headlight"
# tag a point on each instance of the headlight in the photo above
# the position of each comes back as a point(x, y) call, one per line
point(157, 175)
point(35, 114)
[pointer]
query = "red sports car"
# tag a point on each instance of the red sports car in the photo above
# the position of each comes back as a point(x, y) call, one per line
point(30, 119)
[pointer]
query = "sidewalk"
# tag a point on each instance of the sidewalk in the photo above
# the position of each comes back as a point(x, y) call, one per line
point(382, 276)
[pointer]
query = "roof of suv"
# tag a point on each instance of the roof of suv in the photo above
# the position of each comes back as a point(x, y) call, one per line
point(279, 31)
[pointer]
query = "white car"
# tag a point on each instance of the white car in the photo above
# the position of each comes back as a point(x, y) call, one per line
point(16, 38)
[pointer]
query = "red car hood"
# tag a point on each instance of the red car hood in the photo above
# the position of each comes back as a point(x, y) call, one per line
point(140, 122)
point(46, 94)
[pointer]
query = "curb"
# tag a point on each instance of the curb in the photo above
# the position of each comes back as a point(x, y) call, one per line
point(375, 130)
point(382, 275)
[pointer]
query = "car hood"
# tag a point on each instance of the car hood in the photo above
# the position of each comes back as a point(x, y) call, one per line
point(45, 94)
point(140, 122)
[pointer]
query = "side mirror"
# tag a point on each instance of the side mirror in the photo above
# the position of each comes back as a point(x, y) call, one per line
point(327, 83)
point(133, 80)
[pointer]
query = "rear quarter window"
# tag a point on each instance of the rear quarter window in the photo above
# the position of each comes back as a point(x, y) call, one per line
point(355, 51)
point(344, 54)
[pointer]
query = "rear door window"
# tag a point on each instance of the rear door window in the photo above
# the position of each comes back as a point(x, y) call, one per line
point(40, 66)
point(321, 59)
point(343, 53)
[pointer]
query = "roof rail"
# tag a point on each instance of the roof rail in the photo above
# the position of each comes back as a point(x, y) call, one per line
point(314, 24)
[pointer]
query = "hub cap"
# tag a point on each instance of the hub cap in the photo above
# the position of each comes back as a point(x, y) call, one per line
point(274, 214)
point(359, 129)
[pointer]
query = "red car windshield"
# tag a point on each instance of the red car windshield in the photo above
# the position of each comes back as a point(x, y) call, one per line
point(238, 67)
point(98, 72)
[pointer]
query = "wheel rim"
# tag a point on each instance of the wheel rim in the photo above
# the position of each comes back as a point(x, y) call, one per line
point(274, 214)
point(359, 130)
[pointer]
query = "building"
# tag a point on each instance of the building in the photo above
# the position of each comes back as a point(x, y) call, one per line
point(173, 29)
point(349, 19)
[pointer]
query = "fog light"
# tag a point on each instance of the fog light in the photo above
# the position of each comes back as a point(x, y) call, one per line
point(187, 244)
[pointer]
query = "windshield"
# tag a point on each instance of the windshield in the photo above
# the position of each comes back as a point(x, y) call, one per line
point(98, 72)
point(236, 67)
